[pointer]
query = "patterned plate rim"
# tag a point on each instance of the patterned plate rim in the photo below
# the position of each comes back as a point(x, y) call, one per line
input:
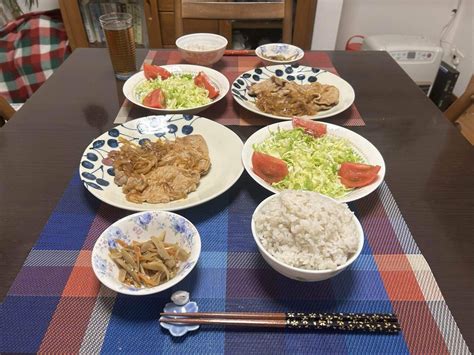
point(94, 184)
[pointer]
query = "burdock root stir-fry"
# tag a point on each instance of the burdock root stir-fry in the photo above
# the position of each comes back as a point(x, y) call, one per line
point(147, 264)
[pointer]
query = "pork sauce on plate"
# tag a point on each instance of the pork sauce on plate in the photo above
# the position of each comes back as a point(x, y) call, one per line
point(217, 165)
point(320, 93)
point(161, 171)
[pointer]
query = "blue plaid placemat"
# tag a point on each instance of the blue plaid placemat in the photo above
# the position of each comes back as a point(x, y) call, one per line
point(57, 305)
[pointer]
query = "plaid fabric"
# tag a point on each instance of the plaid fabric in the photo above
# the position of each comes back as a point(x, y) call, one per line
point(31, 47)
point(56, 305)
point(226, 111)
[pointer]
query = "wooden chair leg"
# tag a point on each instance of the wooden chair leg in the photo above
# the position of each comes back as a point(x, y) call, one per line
point(6, 111)
point(287, 22)
point(178, 23)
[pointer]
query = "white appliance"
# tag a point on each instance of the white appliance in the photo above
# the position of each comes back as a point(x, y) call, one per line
point(418, 56)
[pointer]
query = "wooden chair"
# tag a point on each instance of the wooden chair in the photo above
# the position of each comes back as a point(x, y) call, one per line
point(462, 103)
point(461, 112)
point(226, 10)
point(6, 111)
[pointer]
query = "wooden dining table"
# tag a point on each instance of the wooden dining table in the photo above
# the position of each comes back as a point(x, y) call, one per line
point(430, 166)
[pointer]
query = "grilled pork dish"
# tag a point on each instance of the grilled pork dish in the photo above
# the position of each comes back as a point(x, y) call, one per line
point(286, 98)
point(161, 171)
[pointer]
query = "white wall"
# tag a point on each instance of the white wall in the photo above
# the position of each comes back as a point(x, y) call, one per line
point(464, 41)
point(43, 5)
point(326, 24)
point(412, 17)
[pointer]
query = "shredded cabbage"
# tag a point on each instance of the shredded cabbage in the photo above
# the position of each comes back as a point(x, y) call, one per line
point(313, 163)
point(179, 89)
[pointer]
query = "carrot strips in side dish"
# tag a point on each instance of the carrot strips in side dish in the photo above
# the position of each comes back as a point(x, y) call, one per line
point(147, 264)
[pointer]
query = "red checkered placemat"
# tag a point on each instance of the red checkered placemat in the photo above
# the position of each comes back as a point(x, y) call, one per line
point(227, 111)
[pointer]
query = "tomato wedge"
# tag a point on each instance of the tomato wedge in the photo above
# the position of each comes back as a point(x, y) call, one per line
point(313, 128)
point(154, 71)
point(357, 175)
point(155, 99)
point(269, 168)
point(202, 80)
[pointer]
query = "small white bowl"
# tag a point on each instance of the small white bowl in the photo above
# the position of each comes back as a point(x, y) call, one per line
point(304, 274)
point(201, 48)
point(141, 227)
point(293, 53)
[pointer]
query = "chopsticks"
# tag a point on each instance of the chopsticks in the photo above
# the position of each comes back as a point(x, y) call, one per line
point(367, 322)
point(240, 52)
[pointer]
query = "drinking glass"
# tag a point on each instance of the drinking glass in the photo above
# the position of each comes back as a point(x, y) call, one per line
point(118, 29)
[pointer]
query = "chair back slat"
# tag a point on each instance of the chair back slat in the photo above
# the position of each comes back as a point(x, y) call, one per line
point(226, 10)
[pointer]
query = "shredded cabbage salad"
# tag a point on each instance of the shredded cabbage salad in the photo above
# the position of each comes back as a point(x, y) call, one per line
point(313, 163)
point(179, 89)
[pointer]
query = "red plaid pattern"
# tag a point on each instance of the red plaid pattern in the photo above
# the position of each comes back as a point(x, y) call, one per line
point(226, 111)
point(31, 47)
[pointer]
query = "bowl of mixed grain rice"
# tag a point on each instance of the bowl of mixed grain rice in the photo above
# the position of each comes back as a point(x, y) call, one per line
point(306, 236)
point(201, 48)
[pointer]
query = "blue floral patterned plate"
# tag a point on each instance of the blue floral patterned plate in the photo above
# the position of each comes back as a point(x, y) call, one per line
point(289, 53)
point(224, 146)
point(299, 74)
point(141, 227)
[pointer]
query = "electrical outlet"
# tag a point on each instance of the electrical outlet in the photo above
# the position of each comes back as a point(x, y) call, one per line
point(456, 56)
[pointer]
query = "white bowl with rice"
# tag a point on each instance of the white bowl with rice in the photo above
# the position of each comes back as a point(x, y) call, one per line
point(201, 48)
point(306, 236)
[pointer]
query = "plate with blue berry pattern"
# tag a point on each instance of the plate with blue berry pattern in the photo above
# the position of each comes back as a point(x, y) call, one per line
point(225, 148)
point(299, 74)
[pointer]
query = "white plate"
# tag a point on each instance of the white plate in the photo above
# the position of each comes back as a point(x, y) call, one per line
point(218, 79)
point(299, 74)
point(361, 145)
point(225, 149)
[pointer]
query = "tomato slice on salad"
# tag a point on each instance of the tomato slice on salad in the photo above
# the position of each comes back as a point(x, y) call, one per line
point(357, 175)
point(154, 71)
point(269, 168)
point(155, 99)
point(202, 80)
point(313, 128)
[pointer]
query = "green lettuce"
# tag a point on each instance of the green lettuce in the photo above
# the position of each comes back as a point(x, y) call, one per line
point(179, 89)
point(313, 163)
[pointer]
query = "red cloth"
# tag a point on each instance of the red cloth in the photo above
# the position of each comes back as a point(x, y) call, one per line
point(31, 47)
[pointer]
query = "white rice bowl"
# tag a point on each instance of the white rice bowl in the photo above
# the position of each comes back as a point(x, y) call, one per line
point(308, 232)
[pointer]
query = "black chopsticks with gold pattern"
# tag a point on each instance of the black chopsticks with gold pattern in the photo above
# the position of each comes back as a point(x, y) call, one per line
point(362, 322)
